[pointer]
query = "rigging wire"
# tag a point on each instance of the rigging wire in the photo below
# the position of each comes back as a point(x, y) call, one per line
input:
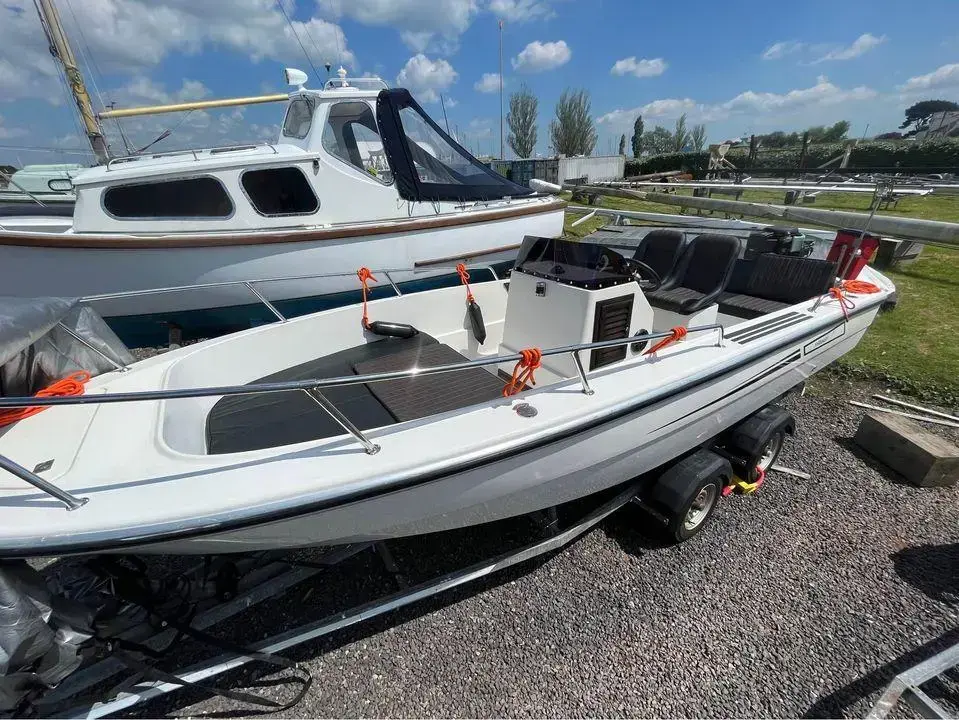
point(93, 70)
point(279, 4)
point(61, 72)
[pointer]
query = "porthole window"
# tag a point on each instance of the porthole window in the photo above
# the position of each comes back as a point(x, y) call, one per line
point(280, 191)
point(200, 197)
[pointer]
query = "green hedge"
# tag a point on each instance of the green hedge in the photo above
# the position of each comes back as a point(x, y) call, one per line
point(878, 153)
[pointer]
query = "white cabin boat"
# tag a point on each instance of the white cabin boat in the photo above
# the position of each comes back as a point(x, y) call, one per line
point(359, 175)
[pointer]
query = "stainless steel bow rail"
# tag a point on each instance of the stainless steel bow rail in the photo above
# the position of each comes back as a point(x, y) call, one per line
point(313, 388)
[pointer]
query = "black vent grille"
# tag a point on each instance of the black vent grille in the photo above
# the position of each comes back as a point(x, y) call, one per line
point(611, 323)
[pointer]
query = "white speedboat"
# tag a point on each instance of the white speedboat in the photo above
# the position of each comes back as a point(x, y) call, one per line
point(327, 429)
point(359, 175)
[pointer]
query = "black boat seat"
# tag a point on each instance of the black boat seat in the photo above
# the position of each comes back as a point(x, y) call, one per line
point(772, 282)
point(701, 275)
point(661, 250)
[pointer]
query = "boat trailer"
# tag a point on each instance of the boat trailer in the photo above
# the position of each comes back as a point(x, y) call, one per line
point(141, 620)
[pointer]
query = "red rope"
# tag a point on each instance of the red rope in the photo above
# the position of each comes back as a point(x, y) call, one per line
point(365, 276)
point(68, 386)
point(677, 334)
point(523, 372)
point(856, 287)
point(465, 279)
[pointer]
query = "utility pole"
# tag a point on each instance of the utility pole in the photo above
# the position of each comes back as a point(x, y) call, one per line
point(502, 155)
point(60, 49)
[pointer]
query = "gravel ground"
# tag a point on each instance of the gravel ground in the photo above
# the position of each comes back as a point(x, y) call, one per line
point(802, 600)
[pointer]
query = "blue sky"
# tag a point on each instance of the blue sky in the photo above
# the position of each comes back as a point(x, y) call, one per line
point(739, 67)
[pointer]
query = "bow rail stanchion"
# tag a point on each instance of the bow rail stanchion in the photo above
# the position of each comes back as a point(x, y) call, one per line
point(71, 501)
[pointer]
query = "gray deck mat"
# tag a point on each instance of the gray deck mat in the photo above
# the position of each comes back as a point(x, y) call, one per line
point(418, 397)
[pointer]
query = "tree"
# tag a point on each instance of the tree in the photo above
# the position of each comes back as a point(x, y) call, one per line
point(521, 119)
point(837, 132)
point(918, 115)
point(889, 136)
point(637, 139)
point(680, 134)
point(698, 137)
point(622, 144)
point(658, 140)
point(573, 132)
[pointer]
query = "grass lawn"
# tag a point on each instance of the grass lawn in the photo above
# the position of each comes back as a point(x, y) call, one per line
point(915, 347)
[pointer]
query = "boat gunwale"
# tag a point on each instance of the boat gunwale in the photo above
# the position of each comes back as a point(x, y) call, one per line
point(313, 233)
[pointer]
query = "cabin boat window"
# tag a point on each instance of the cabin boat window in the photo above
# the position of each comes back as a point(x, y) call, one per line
point(280, 191)
point(435, 159)
point(429, 165)
point(299, 117)
point(350, 134)
point(199, 197)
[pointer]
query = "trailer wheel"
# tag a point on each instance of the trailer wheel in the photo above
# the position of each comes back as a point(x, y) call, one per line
point(692, 518)
point(771, 450)
point(687, 492)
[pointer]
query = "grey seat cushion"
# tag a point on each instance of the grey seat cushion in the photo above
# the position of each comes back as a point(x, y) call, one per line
point(748, 306)
point(790, 279)
point(674, 299)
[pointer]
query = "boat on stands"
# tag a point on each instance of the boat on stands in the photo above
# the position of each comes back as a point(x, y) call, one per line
point(391, 418)
point(359, 175)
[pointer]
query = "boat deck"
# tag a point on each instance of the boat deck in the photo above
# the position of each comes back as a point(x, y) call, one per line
point(253, 422)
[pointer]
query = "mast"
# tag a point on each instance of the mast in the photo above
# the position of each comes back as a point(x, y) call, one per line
point(502, 154)
point(60, 49)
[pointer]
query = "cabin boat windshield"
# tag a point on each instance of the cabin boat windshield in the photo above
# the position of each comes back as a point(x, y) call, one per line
point(427, 163)
point(299, 117)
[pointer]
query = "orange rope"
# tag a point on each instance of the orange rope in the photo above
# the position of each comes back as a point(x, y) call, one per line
point(856, 287)
point(678, 333)
point(523, 372)
point(465, 279)
point(365, 276)
point(68, 386)
point(860, 287)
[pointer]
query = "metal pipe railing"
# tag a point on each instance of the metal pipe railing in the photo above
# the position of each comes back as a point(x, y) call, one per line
point(341, 381)
point(312, 276)
point(312, 387)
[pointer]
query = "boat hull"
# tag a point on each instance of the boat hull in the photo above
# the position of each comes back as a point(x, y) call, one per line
point(590, 461)
point(70, 265)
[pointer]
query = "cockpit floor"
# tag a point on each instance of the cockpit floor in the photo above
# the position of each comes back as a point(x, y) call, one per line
point(242, 423)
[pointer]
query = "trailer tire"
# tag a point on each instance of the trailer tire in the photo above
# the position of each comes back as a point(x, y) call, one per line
point(686, 494)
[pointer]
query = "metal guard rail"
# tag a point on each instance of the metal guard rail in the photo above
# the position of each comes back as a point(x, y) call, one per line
point(313, 388)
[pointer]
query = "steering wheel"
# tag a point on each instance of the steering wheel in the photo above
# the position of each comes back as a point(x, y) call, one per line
point(647, 278)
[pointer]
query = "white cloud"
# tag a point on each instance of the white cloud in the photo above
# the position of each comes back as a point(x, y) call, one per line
point(8, 133)
point(860, 46)
point(946, 76)
point(782, 49)
point(423, 24)
point(130, 36)
point(539, 56)
point(822, 94)
point(489, 83)
point(142, 90)
point(639, 68)
point(517, 11)
point(426, 78)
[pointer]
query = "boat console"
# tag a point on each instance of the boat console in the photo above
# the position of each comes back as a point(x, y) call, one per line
point(566, 293)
